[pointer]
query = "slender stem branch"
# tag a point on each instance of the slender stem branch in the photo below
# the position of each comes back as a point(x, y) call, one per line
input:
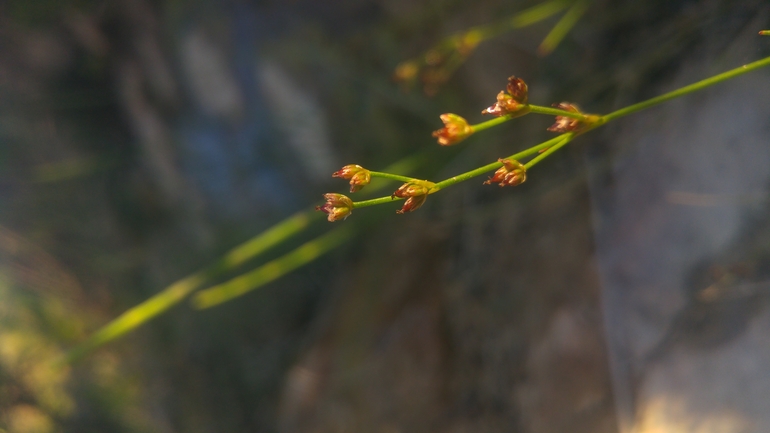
point(554, 142)
point(537, 13)
point(565, 24)
point(391, 176)
point(555, 112)
point(467, 175)
point(374, 201)
point(687, 89)
point(560, 141)
point(495, 165)
point(532, 109)
point(490, 123)
point(565, 138)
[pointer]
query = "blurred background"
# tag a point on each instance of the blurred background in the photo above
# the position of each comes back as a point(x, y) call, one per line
point(623, 288)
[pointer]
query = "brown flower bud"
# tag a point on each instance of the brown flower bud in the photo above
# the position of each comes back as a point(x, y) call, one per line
point(337, 206)
point(455, 130)
point(512, 173)
point(415, 193)
point(512, 103)
point(359, 176)
point(506, 105)
point(564, 123)
point(412, 203)
point(410, 189)
point(518, 89)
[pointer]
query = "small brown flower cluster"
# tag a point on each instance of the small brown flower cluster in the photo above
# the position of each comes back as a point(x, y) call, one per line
point(565, 123)
point(415, 193)
point(513, 103)
point(571, 124)
point(337, 206)
point(455, 130)
point(359, 176)
point(512, 173)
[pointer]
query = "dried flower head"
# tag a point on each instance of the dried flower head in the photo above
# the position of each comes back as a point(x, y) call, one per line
point(564, 123)
point(415, 193)
point(455, 130)
point(411, 189)
point(337, 206)
point(359, 176)
point(569, 124)
point(512, 173)
point(512, 103)
point(412, 203)
point(518, 89)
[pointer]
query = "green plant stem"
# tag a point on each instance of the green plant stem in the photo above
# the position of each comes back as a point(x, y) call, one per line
point(687, 89)
point(374, 201)
point(175, 293)
point(564, 139)
point(524, 18)
point(391, 176)
point(537, 13)
point(555, 112)
point(556, 143)
point(271, 270)
point(490, 123)
point(495, 165)
point(565, 24)
point(532, 109)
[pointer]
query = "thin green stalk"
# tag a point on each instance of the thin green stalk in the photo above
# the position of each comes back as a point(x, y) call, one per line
point(467, 175)
point(556, 141)
point(495, 165)
point(524, 18)
point(374, 201)
point(181, 289)
point(565, 138)
point(538, 13)
point(490, 123)
point(272, 270)
point(687, 89)
point(175, 293)
point(534, 149)
point(555, 112)
point(565, 24)
point(391, 176)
